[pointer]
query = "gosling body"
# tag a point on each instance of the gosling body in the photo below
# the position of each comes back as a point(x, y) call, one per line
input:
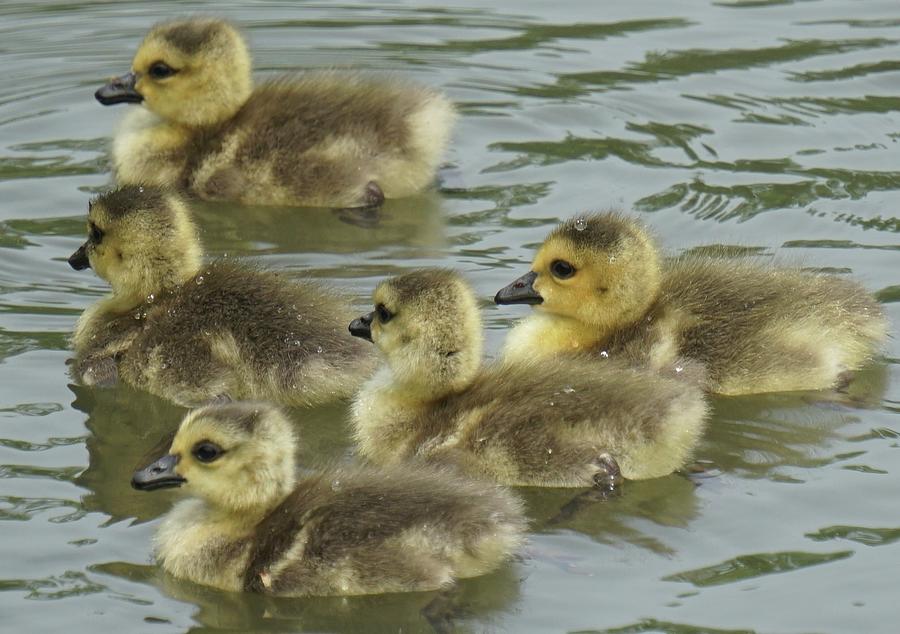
point(329, 139)
point(254, 525)
point(599, 287)
point(546, 424)
point(192, 332)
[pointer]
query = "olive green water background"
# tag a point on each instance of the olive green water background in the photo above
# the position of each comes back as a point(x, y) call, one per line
point(771, 126)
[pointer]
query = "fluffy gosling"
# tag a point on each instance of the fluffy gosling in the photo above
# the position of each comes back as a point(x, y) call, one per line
point(598, 285)
point(561, 423)
point(325, 139)
point(253, 524)
point(192, 332)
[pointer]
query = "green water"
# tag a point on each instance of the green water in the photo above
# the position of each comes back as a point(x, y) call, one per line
point(771, 126)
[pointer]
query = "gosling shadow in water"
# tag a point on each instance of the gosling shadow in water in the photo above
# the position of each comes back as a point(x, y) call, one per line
point(125, 424)
point(638, 514)
point(412, 224)
point(131, 428)
point(750, 437)
point(764, 435)
point(471, 605)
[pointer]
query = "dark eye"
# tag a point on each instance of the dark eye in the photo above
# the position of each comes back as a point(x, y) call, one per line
point(562, 269)
point(206, 451)
point(95, 234)
point(160, 70)
point(384, 315)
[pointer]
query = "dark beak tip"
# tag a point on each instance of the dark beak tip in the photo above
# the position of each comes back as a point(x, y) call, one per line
point(362, 327)
point(119, 90)
point(159, 475)
point(520, 291)
point(79, 260)
point(358, 329)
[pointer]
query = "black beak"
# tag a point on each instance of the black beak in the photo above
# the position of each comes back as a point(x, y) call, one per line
point(159, 475)
point(520, 292)
point(119, 90)
point(79, 260)
point(362, 326)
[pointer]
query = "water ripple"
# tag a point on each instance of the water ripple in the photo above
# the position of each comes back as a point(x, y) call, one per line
point(21, 509)
point(859, 534)
point(64, 586)
point(753, 566)
point(654, 626)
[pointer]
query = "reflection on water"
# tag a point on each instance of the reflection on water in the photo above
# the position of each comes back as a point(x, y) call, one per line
point(626, 518)
point(766, 128)
point(480, 601)
point(756, 437)
point(753, 566)
point(404, 225)
point(130, 429)
point(124, 424)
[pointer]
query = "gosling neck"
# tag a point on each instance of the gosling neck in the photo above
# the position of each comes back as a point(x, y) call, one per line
point(249, 507)
point(566, 334)
point(433, 376)
point(155, 280)
point(217, 106)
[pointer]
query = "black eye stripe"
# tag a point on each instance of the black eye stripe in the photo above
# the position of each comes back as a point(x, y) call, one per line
point(206, 451)
point(160, 70)
point(95, 234)
point(384, 315)
point(562, 269)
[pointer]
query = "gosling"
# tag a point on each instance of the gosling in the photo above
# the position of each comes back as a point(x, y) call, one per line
point(193, 333)
point(254, 525)
point(560, 423)
point(598, 285)
point(322, 139)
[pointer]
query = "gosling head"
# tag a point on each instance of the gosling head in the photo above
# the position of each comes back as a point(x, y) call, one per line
point(192, 72)
point(427, 325)
point(239, 457)
point(141, 240)
point(599, 269)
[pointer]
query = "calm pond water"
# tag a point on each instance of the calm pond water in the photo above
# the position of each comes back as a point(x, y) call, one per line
point(768, 125)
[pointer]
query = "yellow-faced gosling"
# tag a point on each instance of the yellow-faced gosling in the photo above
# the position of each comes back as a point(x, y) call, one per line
point(193, 332)
point(561, 423)
point(253, 524)
point(330, 139)
point(599, 286)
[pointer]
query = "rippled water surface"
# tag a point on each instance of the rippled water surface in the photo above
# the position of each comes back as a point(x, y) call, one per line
point(769, 125)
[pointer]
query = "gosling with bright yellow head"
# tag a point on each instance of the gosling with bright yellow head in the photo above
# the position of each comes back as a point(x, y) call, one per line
point(322, 139)
point(598, 285)
point(192, 332)
point(253, 524)
point(559, 423)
